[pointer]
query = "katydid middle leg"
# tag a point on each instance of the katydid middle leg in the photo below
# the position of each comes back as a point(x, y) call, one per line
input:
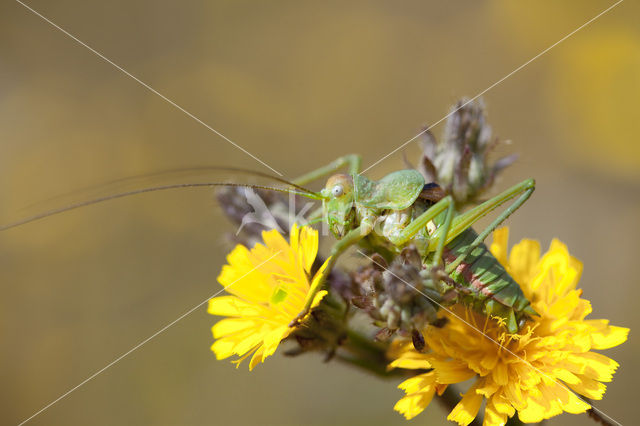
point(436, 268)
point(351, 238)
point(353, 162)
point(419, 223)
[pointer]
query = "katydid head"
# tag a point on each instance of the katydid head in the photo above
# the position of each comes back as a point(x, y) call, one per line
point(338, 203)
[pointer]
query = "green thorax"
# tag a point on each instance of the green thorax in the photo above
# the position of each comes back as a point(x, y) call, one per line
point(395, 191)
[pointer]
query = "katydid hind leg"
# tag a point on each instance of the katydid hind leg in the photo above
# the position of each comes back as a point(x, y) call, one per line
point(446, 226)
point(449, 231)
point(446, 232)
point(507, 313)
point(526, 188)
point(493, 307)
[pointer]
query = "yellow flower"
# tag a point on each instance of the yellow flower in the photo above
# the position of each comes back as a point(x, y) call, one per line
point(531, 371)
point(269, 286)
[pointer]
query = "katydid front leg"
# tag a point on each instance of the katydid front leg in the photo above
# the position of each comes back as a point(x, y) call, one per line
point(351, 160)
point(352, 237)
point(315, 216)
point(446, 204)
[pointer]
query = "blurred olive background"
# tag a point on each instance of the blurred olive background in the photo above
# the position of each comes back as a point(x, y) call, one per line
point(296, 85)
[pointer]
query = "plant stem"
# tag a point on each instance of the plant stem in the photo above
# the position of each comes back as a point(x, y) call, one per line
point(365, 353)
point(515, 421)
point(370, 367)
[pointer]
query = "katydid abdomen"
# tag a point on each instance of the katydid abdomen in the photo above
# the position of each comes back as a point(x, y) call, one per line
point(491, 289)
point(441, 235)
point(482, 282)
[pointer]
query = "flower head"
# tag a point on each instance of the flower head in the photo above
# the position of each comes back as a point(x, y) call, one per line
point(534, 371)
point(269, 286)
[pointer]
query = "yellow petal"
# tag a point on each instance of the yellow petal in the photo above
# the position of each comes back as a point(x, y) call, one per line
point(523, 259)
point(229, 326)
point(315, 283)
point(414, 404)
point(275, 241)
point(501, 405)
point(564, 306)
point(232, 306)
point(410, 364)
point(467, 409)
point(568, 401)
point(568, 282)
point(606, 336)
point(536, 411)
point(250, 341)
point(500, 374)
point(494, 415)
point(499, 245)
point(419, 383)
point(489, 360)
point(222, 348)
point(245, 282)
point(308, 246)
point(238, 361)
point(513, 392)
point(258, 356)
point(487, 388)
point(450, 372)
point(595, 365)
point(590, 388)
point(318, 298)
point(575, 405)
point(273, 339)
point(566, 376)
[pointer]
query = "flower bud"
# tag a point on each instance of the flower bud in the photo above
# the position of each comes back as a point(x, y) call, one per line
point(460, 162)
point(394, 296)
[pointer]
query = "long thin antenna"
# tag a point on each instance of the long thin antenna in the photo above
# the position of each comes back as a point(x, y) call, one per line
point(167, 173)
point(54, 212)
point(251, 172)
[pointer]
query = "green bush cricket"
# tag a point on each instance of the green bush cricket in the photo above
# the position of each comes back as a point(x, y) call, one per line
point(389, 214)
point(400, 209)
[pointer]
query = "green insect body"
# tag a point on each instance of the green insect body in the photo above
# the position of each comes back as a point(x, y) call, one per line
point(387, 215)
point(493, 290)
point(383, 210)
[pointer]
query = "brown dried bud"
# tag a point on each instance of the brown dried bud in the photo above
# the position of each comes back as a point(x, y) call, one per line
point(460, 162)
point(396, 297)
point(324, 330)
point(257, 210)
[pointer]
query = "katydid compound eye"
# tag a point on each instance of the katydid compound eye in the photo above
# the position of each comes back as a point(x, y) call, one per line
point(337, 191)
